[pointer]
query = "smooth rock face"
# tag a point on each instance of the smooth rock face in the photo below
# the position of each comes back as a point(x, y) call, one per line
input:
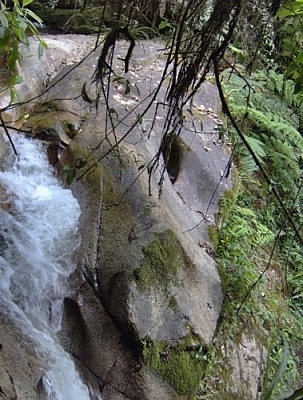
point(143, 274)
point(152, 278)
point(20, 369)
point(6, 154)
point(244, 360)
point(37, 74)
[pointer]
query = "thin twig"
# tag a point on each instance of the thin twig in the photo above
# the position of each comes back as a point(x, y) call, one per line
point(7, 133)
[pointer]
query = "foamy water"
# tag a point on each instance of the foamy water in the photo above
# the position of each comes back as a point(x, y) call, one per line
point(39, 236)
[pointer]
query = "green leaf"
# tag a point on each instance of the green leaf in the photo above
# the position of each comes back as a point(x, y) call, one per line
point(70, 175)
point(257, 146)
point(20, 34)
point(4, 38)
point(13, 94)
point(2, 33)
point(41, 47)
point(34, 16)
point(163, 24)
point(279, 372)
point(26, 2)
point(13, 57)
point(16, 3)
point(291, 9)
point(3, 20)
point(15, 80)
point(19, 80)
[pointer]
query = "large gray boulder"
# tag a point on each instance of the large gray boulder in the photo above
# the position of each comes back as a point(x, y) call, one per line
point(143, 257)
point(146, 295)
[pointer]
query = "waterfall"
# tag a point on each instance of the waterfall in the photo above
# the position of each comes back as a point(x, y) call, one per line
point(38, 237)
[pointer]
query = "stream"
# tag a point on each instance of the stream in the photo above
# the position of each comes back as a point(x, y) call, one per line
point(38, 239)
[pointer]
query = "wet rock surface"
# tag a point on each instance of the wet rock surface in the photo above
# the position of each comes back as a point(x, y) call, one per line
point(137, 241)
point(20, 368)
point(146, 292)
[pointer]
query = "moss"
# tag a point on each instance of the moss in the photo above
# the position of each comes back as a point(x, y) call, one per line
point(162, 259)
point(213, 235)
point(227, 202)
point(230, 197)
point(181, 365)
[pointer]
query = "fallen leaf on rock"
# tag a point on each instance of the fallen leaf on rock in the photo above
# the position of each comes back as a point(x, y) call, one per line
point(208, 248)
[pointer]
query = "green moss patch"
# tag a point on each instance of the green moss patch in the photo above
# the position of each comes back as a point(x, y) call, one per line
point(162, 259)
point(182, 365)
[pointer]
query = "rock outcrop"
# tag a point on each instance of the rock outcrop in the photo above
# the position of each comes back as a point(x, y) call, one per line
point(20, 368)
point(147, 273)
point(146, 295)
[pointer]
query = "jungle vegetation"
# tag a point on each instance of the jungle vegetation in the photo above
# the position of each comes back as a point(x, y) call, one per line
point(253, 51)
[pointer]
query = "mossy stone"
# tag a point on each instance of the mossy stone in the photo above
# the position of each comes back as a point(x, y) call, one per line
point(162, 259)
point(180, 365)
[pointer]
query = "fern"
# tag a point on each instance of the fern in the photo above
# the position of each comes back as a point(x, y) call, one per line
point(251, 233)
point(272, 113)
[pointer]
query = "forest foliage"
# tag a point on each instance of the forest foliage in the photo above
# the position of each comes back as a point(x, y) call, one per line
point(17, 24)
point(258, 231)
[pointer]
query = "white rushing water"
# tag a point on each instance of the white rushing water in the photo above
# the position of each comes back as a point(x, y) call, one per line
point(38, 236)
